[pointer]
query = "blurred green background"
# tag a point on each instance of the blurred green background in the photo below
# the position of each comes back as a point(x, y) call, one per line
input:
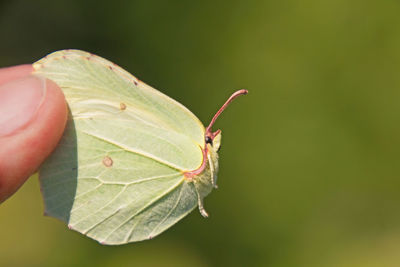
point(310, 158)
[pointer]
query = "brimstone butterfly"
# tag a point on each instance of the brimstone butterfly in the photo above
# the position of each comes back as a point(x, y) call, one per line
point(132, 161)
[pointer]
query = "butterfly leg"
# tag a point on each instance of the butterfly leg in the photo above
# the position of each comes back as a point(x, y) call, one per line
point(203, 212)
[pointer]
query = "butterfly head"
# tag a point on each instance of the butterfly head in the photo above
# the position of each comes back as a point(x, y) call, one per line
point(214, 139)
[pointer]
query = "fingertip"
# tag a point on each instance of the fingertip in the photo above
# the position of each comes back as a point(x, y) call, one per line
point(52, 118)
point(20, 100)
point(28, 147)
point(15, 72)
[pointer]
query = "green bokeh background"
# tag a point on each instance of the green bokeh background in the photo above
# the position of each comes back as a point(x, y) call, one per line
point(310, 158)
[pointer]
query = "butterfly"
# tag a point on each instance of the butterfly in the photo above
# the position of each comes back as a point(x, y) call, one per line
point(132, 161)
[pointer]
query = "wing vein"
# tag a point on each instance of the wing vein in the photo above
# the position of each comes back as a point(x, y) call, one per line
point(145, 207)
point(138, 152)
point(169, 213)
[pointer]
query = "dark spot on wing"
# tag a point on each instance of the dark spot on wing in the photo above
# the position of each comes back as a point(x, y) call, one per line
point(122, 106)
point(107, 161)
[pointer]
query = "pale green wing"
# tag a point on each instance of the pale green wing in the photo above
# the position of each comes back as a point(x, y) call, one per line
point(117, 175)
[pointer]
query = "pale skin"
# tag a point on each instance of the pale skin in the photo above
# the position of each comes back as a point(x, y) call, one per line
point(33, 114)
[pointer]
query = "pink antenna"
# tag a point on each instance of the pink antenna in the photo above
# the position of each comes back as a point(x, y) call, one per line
point(209, 134)
point(230, 99)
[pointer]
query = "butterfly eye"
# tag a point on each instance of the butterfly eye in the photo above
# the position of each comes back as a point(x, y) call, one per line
point(209, 140)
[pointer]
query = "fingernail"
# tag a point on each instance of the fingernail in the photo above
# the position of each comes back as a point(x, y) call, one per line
point(19, 102)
